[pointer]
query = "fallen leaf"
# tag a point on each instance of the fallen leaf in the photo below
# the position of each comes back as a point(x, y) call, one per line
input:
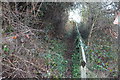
point(14, 37)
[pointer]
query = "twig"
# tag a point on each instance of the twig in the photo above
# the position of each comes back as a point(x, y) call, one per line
point(90, 34)
point(38, 9)
point(16, 8)
point(17, 69)
point(11, 74)
point(29, 62)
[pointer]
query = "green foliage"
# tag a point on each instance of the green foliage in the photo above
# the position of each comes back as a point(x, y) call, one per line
point(76, 65)
point(76, 59)
point(57, 46)
point(55, 58)
point(57, 63)
point(5, 48)
point(101, 53)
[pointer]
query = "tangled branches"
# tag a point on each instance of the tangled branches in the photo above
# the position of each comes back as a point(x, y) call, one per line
point(21, 55)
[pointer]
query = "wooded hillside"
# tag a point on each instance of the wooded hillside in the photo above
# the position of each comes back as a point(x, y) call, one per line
point(41, 41)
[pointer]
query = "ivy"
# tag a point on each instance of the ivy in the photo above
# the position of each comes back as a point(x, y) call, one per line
point(101, 52)
point(55, 59)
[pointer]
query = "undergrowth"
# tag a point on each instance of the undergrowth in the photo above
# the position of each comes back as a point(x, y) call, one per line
point(55, 58)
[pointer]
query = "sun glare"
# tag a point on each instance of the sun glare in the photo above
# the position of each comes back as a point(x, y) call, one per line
point(75, 15)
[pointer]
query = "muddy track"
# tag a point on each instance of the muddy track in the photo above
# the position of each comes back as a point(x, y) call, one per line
point(68, 55)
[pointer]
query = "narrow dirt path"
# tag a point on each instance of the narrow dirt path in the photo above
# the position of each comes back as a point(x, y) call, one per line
point(68, 55)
